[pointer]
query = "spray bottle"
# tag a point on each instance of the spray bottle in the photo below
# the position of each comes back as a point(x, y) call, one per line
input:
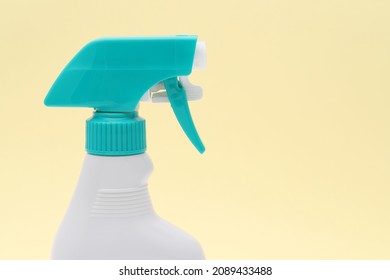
point(110, 215)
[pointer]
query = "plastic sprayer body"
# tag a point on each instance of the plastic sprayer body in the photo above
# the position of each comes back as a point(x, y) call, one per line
point(111, 216)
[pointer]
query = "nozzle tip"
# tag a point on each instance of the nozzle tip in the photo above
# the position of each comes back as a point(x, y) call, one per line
point(200, 61)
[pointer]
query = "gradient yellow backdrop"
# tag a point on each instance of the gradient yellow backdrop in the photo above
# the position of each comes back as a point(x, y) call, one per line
point(295, 119)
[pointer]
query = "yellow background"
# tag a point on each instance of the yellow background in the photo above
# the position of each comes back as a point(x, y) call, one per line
point(295, 119)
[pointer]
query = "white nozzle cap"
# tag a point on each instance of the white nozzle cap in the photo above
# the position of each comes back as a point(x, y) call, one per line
point(200, 62)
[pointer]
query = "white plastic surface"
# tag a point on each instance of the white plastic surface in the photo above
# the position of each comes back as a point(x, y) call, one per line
point(193, 92)
point(200, 61)
point(111, 216)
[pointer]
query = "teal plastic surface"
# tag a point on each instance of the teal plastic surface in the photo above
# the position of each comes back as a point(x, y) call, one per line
point(115, 134)
point(178, 98)
point(112, 75)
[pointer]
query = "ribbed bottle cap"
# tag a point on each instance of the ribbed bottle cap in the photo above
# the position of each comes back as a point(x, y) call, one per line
point(115, 134)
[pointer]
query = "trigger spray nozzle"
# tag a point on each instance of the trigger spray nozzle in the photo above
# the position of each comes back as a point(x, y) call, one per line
point(111, 75)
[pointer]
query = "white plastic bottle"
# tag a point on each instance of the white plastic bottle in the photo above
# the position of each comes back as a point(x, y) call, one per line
point(111, 216)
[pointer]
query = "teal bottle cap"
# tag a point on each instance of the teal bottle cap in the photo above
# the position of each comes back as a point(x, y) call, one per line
point(115, 134)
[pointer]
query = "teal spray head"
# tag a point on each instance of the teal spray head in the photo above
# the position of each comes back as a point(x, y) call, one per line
point(112, 75)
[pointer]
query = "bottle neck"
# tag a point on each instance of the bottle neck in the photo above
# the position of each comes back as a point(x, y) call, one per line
point(115, 134)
